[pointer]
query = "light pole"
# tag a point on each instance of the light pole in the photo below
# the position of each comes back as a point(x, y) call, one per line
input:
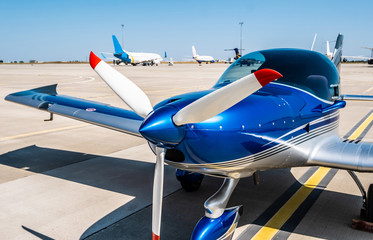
point(241, 38)
point(122, 35)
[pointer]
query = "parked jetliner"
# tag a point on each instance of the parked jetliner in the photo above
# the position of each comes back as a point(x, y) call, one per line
point(133, 58)
point(276, 108)
point(369, 59)
point(201, 59)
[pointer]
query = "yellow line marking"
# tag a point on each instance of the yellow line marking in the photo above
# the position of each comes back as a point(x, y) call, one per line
point(41, 132)
point(278, 220)
point(269, 230)
point(361, 128)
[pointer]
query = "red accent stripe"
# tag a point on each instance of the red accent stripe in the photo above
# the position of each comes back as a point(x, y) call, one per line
point(155, 237)
point(93, 60)
point(266, 76)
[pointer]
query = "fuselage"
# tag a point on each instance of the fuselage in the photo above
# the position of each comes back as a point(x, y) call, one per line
point(136, 57)
point(244, 138)
point(204, 59)
point(277, 126)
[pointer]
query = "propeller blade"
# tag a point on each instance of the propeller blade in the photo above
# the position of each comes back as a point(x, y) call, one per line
point(223, 98)
point(131, 94)
point(158, 193)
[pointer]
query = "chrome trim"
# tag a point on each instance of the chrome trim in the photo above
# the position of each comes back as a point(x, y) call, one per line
point(358, 183)
point(282, 146)
point(356, 97)
point(215, 205)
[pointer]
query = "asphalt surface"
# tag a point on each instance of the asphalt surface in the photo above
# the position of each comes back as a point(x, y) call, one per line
point(64, 179)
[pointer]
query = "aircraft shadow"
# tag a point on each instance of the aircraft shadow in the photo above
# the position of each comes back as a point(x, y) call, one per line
point(124, 176)
point(181, 210)
point(37, 234)
point(38, 159)
point(109, 173)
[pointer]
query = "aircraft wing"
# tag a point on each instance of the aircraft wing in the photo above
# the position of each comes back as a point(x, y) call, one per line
point(356, 57)
point(108, 56)
point(345, 154)
point(47, 99)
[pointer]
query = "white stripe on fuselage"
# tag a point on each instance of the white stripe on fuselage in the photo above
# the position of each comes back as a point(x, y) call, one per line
point(323, 100)
point(282, 145)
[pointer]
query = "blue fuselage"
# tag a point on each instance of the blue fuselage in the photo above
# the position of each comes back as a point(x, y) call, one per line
point(273, 115)
point(262, 131)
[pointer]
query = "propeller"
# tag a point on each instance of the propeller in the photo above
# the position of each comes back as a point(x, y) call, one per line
point(158, 193)
point(223, 98)
point(131, 94)
point(164, 130)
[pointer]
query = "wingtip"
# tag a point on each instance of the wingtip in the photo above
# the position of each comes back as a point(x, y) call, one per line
point(93, 60)
point(266, 76)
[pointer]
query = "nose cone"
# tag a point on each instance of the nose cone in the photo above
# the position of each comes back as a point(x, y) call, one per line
point(159, 128)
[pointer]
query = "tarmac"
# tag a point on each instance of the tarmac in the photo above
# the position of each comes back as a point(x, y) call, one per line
point(65, 179)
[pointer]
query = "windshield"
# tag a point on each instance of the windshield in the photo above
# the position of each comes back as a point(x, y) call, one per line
point(241, 68)
point(307, 70)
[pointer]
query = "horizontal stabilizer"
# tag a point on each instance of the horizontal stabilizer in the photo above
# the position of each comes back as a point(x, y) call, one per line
point(47, 99)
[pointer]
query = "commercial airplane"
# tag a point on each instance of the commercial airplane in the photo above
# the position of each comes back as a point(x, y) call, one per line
point(328, 53)
point(313, 42)
point(276, 108)
point(369, 59)
point(133, 58)
point(236, 51)
point(201, 59)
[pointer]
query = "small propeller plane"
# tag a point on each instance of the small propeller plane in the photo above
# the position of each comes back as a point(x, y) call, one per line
point(276, 108)
point(133, 58)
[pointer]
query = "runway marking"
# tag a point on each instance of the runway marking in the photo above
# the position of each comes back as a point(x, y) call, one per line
point(42, 132)
point(280, 218)
point(89, 79)
point(368, 90)
point(362, 127)
point(286, 211)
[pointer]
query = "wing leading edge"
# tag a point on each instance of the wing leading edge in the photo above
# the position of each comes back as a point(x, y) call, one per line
point(47, 99)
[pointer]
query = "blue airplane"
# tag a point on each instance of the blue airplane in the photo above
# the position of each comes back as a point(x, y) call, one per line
point(270, 109)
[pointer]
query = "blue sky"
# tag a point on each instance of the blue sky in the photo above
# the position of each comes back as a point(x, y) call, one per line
point(69, 30)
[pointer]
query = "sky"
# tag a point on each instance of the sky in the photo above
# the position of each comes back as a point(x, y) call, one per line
point(49, 30)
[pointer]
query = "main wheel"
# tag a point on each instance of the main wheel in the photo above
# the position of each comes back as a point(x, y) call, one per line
point(190, 181)
point(369, 203)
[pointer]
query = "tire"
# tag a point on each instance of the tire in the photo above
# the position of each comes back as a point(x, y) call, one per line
point(190, 181)
point(369, 203)
point(191, 186)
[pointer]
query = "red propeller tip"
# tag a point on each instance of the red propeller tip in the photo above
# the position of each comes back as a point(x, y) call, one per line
point(266, 76)
point(93, 60)
point(155, 237)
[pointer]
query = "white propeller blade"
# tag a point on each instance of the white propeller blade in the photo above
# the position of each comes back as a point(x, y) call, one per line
point(223, 98)
point(131, 94)
point(158, 193)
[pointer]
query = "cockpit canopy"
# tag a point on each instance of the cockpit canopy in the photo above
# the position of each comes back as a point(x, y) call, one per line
point(303, 69)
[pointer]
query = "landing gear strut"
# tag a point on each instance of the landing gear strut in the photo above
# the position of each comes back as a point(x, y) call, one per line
point(367, 209)
point(219, 222)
